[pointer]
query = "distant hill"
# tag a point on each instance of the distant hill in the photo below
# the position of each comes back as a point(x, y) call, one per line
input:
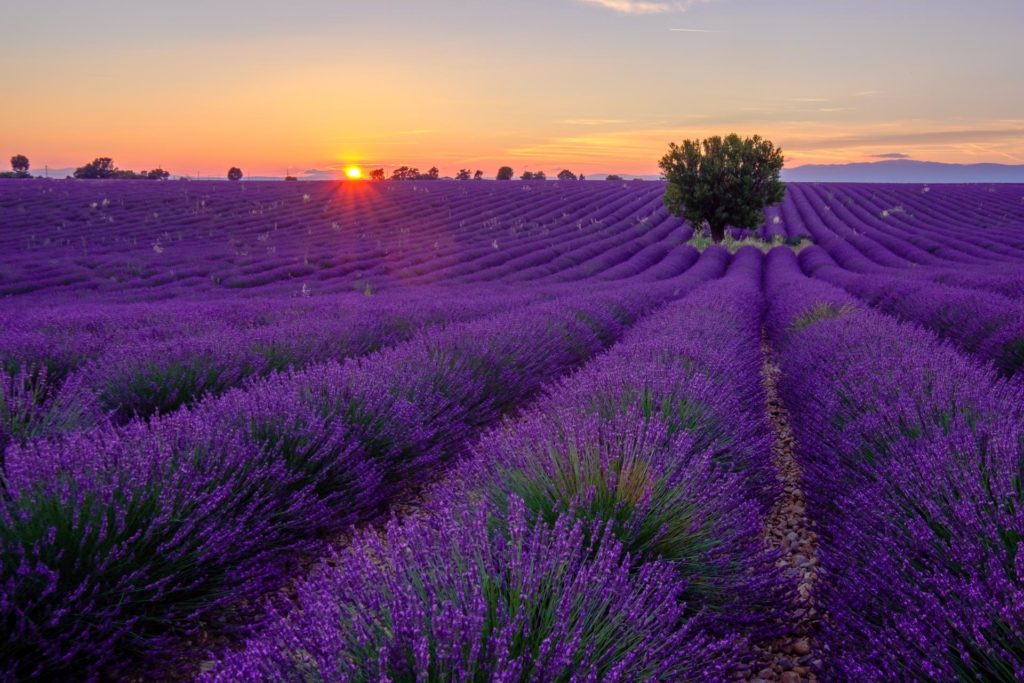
point(905, 171)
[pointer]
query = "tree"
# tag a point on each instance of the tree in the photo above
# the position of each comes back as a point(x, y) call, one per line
point(566, 174)
point(504, 173)
point(582, 177)
point(479, 175)
point(158, 174)
point(19, 164)
point(721, 182)
point(540, 175)
point(405, 173)
point(234, 173)
point(377, 174)
point(614, 177)
point(527, 175)
point(432, 174)
point(99, 168)
point(463, 174)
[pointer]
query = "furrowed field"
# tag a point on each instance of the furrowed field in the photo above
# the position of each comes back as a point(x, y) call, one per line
point(519, 431)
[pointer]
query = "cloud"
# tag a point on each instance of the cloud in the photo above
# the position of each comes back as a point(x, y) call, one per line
point(592, 122)
point(635, 150)
point(891, 155)
point(632, 6)
point(645, 6)
point(693, 30)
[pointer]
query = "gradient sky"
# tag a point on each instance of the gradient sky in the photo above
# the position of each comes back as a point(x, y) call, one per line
point(592, 85)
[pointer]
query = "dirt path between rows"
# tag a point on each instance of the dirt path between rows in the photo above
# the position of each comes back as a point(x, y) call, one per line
point(793, 657)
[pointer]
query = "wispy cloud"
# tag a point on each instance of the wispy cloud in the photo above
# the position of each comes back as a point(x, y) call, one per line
point(396, 133)
point(592, 122)
point(632, 6)
point(646, 6)
point(808, 99)
point(812, 141)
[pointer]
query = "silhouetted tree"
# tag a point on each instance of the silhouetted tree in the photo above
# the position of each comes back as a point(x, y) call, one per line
point(99, 168)
point(19, 164)
point(479, 175)
point(432, 174)
point(463, 174)
point(582, 177)
point(722, 181)
point(405, 173)
point(614, 177)
point(291, 179)
point(540, 175)
point(566, 174)
point(377, 174)
point(527, 175)
point(157, 174)
point(505, 173)
point(234, 173)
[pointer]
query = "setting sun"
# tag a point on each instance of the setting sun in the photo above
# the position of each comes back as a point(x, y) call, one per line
point(353, 172)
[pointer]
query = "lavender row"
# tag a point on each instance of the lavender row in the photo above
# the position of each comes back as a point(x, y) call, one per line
point(118, 541)
point(146, 241)
point(612, 533)
point(137, 241)
point(89, 374)
point(987, 325)
point(911, 456)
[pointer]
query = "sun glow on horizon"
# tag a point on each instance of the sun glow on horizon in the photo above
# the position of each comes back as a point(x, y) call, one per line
point(354, 173)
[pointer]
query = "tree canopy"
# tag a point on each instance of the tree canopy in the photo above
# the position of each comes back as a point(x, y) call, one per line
point(377, 174)
point(479, 175)
point(720, 182)
point(505, 173)
point(98, 168)
point(566, 174)
point(463, 174)
point(234, 173)
point(405, 173)
point(19, 163)
point(103, 168)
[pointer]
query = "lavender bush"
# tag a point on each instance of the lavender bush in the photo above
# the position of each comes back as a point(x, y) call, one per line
point(912, 460)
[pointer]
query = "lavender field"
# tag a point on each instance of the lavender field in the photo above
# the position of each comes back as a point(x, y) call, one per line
point(509, 431)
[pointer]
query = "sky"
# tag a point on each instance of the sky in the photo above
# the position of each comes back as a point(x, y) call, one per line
point(596, 86)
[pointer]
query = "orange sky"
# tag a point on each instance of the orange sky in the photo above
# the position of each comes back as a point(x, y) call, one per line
point(590, 85)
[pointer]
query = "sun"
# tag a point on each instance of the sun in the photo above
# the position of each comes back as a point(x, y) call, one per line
point(354, 172)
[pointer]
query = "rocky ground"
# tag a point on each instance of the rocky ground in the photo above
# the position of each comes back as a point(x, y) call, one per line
point(792, 658)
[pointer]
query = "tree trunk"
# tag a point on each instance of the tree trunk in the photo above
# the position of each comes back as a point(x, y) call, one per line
point(717, 232)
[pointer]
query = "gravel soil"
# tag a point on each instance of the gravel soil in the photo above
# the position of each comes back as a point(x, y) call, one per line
point(793, 657)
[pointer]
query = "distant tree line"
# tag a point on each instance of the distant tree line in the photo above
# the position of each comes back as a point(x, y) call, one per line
point(103, 168)
point(413, 173)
